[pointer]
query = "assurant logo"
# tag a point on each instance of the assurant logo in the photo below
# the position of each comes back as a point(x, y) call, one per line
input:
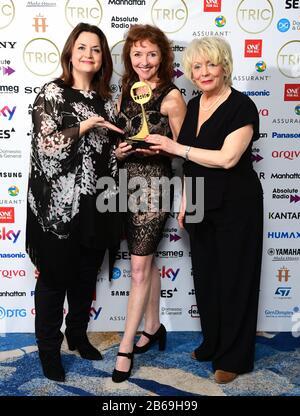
point(254, 18)
point(260, 66)
point(220, 21)
point(169, 15)
point(89, 11)
point(7, 13)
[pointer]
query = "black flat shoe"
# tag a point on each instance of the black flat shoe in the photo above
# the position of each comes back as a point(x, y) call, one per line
point(160, 336)
point(51, 365)
point(82, 344)
point(120, 376)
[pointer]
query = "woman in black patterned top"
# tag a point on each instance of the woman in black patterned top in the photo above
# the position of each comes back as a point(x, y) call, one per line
point(147, 57)
point(66, 236)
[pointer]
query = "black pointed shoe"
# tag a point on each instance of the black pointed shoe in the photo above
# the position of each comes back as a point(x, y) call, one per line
point(120, 376)
point(51, 365)
point(160, 336)
point(82, 344)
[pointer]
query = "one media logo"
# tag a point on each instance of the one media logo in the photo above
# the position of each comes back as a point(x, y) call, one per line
point(253, 48)
point(292, 92)
point(283, 25)
point(7, 214)
point(212, 5)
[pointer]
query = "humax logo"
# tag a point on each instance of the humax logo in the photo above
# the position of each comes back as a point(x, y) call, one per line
point(283, 234)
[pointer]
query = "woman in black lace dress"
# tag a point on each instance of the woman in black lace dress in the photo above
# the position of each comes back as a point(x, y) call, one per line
point(66, 237)
point(148, 57)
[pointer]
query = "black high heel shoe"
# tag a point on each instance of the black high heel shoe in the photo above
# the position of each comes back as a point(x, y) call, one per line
point(51, 365)
point(160, 336)
point(120, 376)
point(82, 344)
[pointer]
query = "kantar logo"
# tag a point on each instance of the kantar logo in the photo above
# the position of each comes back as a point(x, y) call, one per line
point(7, 13)
point(288, 59)
point(254, 17)
point(169, 15)
point(88, 11)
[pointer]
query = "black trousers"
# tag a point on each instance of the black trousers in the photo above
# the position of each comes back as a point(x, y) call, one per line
point(226, 250)
point(49, 301)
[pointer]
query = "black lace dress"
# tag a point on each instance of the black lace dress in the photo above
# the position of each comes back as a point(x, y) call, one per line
point(144, 228)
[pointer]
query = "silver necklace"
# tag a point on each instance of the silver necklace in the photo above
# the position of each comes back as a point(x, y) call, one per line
point(214, 103)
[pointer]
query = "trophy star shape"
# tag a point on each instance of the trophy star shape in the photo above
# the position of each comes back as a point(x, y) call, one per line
point(140, 93)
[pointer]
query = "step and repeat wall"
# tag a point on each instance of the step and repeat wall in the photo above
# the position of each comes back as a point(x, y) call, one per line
point(264, 35)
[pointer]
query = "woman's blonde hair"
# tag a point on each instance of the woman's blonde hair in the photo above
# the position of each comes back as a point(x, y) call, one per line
point(216, 49)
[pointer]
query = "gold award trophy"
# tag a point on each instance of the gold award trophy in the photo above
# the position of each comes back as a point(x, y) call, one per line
point(142, 97)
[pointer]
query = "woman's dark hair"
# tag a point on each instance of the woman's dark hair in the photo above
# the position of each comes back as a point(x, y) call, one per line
point(138, 33)
point(101, 79)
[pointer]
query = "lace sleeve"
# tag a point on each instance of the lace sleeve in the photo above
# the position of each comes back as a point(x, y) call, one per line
point(53, 146)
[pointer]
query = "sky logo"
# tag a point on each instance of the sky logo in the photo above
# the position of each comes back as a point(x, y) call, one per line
point(283, 25)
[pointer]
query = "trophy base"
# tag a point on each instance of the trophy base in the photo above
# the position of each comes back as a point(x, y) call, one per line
point(138, 144)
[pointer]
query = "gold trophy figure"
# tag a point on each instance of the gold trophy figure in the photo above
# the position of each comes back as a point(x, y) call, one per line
point(141, 97)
